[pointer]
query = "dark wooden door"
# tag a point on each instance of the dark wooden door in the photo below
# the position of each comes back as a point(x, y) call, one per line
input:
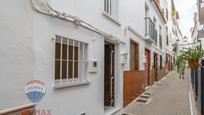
point(109, 80)
point(148, 66)
point(133, 85)
point(155, 67)
point(134, 56)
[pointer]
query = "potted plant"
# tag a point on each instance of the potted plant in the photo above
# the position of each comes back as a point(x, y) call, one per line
point(181, 63)
point(191, 56)
point(193, 60)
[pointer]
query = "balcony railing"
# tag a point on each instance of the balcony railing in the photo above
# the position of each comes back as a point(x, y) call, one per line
point(150, 29)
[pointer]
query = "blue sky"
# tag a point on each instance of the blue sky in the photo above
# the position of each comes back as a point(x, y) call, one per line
point(186, 9)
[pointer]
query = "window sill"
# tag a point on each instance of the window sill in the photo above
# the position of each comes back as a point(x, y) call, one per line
point(115, 20)
point(66, 85)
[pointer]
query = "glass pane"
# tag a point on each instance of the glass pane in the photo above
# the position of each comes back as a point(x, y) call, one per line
point(57, 70)
point(76, 53)
point(70, 69)
point(64, 51)
point(70, 52)
point(64, 69)
point(57, 51)
point(76, 69)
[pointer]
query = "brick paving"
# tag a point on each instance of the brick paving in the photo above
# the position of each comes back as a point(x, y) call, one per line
point(169, 96)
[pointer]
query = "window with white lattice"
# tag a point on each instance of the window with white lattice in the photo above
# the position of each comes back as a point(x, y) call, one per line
point(111, 7)
point(70, 60)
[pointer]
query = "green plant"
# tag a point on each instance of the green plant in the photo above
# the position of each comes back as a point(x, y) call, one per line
point(188, 56)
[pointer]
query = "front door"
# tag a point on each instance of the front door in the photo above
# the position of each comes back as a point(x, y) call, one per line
point(109, 81)
point(148, 65)
point(155, 67)
point(134, 56)
point(133, 81)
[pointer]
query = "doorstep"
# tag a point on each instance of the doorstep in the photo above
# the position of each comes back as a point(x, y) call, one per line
point(111, 110)
point(147, 87)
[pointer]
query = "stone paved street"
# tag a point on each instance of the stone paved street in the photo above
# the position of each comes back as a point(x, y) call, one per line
point(169, 96)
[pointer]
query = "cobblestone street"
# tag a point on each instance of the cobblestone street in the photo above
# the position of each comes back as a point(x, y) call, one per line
point(169, 96)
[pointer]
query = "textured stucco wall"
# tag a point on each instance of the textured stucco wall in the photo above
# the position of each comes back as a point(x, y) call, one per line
point(17, 55)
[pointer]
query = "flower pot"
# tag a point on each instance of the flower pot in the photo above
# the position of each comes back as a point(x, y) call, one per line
point(194, 63)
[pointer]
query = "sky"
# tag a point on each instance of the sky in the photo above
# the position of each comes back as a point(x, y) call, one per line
point(186, 9)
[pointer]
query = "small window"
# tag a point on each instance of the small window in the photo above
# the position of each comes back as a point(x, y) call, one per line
point(111, 7)
point(70, 60)
point(167, 58)
point(167, 40)
point(160, 36)
point(160, 41)
point(160, 30)
point(161, 62)
point(167, 14)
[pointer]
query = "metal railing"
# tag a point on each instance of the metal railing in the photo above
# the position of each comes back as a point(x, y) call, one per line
point(150, 29)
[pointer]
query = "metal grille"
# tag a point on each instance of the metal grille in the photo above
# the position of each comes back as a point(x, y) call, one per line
point(70, 60)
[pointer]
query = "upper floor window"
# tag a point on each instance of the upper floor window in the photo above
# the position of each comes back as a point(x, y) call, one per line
point(161, 60)
point(111, 7)
point(160, 30)
point(154, 20)
point(167, 40)
point(160, 36)
point(70, 61)
point(167, 14)
point(146, 10)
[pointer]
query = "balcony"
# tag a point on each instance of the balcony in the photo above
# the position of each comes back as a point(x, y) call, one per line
point(201, 11)
point(150, 31)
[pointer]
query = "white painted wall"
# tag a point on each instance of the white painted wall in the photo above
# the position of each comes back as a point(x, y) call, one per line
point(132, 14)
point(28, 53)
point(159, 22)
point(73, 100)
point(17, 54)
